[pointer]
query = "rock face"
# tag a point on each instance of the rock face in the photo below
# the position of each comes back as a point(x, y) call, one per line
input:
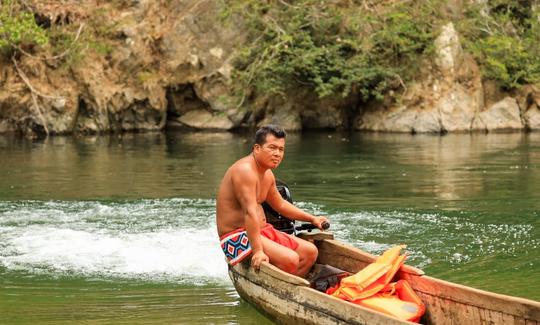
point(532, 119)
point(503, 115)
point(447, 99)
point(171, 66)
point(303, 110)
point(531, 107)
point(50, 108)
point(201, 119)
point(451, 97)
point(170, 62)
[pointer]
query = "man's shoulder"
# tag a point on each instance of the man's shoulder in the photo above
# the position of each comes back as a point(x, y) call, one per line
point(243, 167)
point(269, 175)
point(242, 164)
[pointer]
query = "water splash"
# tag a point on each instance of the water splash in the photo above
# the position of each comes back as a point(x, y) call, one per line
point(175, 239)
point(170, 240)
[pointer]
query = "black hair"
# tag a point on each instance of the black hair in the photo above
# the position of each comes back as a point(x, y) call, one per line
point(260, 135)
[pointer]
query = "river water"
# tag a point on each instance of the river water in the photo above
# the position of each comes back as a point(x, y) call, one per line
point(120, 229)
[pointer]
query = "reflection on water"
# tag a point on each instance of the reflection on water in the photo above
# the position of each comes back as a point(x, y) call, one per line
point(429, 172)
point(370, 170)
point(120, 229)
point(128, 166)
point(456, 161)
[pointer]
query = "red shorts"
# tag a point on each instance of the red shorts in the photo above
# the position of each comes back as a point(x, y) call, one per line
point(279, 237)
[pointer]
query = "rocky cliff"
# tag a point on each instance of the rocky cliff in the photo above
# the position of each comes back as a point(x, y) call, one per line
point(170, 64)
point(451, 96)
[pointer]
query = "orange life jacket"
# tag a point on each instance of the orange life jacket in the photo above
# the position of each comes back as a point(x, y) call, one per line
point(371, 287)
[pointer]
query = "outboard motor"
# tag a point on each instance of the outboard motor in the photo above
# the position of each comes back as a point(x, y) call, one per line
point(280, 222)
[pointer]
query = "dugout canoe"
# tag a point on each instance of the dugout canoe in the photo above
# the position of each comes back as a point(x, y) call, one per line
point(288, 299)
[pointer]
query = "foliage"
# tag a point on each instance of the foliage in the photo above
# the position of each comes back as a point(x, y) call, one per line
point(65, 32)
point(330, 47)
point(18, 27)
point(333, 48)
point(503, 36)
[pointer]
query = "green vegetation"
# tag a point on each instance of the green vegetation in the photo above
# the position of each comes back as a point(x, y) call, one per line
point(61, 32)
point(504, 36)
point(336, 48)
point(18, 28)
point(331, 48)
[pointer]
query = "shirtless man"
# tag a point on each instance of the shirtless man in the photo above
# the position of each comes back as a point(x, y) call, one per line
point(248, 183)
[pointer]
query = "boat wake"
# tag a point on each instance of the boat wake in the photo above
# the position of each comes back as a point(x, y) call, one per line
point(174, 240)
point(156, 240)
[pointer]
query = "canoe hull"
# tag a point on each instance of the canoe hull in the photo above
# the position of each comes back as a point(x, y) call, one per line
point(446, 302)
point(288, 303)
point(288, 299)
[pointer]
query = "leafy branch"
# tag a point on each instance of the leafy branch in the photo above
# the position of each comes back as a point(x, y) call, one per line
point(506, 43)
point(333, 50)
point(18, 28)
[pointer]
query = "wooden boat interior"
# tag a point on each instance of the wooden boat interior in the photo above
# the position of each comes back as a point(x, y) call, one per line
point(446, 302)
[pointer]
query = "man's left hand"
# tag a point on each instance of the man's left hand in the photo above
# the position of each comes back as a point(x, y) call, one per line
point(318, 221)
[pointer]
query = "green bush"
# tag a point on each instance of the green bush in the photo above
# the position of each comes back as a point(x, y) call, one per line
point(335, 48)
point(503, 37)
point(18, 27)
point(19, 30)
point(332, 49)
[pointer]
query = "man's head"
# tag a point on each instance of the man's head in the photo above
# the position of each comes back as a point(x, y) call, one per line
point(269, 146)
point(276, 131)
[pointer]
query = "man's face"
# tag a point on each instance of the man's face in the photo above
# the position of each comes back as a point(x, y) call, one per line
point(271, 152)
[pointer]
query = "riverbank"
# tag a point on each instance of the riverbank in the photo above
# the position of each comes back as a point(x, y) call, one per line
point(144, 66)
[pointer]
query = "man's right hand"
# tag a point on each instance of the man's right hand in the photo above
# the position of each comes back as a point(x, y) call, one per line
point(257, 259)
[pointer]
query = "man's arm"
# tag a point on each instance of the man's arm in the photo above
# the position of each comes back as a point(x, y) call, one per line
point(244, 183)
point(288, 210)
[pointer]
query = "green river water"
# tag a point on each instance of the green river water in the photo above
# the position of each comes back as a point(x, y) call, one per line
point(120, 229)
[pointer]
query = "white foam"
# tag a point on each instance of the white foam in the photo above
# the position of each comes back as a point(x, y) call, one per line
point(176, 239)
point(169, 239)
point(179, 254)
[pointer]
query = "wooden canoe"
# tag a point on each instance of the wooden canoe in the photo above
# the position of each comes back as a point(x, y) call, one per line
point(288, 299)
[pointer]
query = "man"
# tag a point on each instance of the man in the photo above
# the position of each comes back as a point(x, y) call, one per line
point(240, 217)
